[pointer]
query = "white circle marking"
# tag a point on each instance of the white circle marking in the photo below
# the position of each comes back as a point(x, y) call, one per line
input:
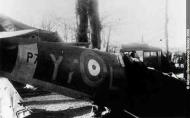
point(93, 67)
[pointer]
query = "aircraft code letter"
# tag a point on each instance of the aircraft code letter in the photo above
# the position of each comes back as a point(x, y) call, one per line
point(56, 65)
point(29, 56)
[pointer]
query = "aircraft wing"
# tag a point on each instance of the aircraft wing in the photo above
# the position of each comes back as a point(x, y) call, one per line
point(9, 24)
point(46, 86)
point(15, 33)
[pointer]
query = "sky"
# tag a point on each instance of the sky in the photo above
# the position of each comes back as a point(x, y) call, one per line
point(127, 20)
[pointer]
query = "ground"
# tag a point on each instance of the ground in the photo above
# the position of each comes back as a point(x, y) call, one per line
point(53, 105)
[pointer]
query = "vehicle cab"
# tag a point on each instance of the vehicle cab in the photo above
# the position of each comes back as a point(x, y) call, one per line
point(149, 55)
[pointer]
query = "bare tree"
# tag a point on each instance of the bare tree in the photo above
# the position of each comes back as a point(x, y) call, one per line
point(48, 24)
point(65, 28)
point(108, 25)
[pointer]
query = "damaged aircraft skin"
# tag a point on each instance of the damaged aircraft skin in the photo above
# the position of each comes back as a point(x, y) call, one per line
point(81, 72)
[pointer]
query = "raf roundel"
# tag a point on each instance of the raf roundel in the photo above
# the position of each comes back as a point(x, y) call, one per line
point(93, 69)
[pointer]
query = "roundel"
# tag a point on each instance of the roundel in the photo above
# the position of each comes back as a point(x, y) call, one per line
point(92, 67)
